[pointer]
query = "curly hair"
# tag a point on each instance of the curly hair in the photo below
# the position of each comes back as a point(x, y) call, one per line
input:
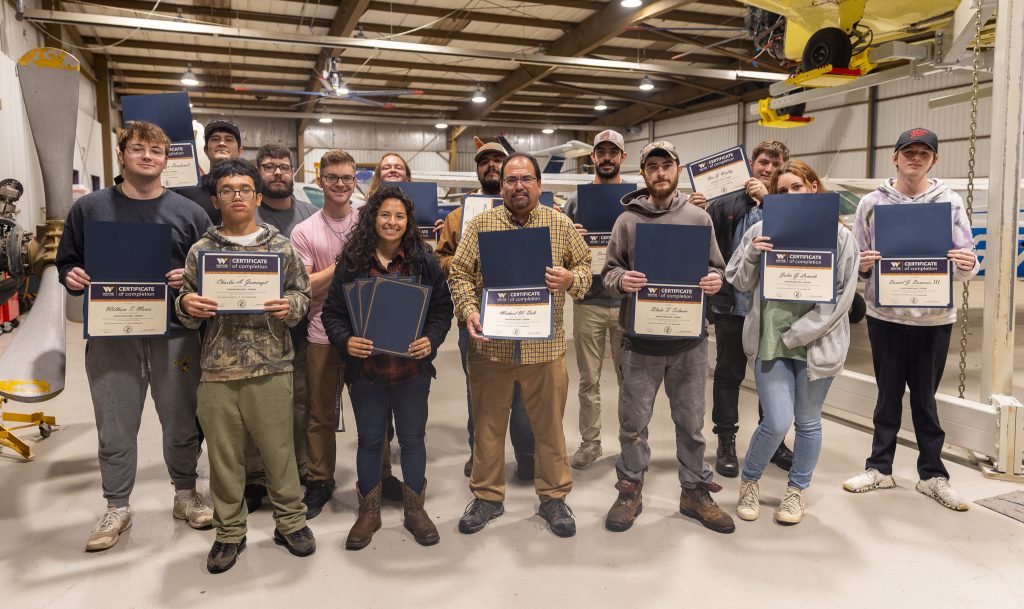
point(362, 242)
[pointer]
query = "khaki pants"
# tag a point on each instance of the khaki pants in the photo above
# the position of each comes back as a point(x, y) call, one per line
point(325, 371)
point(543, 388)
point(260, 407)
point(590, 325)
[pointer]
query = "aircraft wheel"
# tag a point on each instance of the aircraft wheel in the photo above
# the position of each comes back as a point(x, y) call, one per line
point(829, 45)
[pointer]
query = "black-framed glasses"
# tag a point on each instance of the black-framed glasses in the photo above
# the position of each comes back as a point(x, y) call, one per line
point(274, 168)
point(511, 181)
point(333, 179)
point(229, 194)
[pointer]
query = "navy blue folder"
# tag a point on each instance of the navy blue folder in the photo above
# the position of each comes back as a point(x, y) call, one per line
point(802, 221)
point(923, 230)
point(127, 251)
point(599, 205)
point(515, 258)
point(547, 198)
point(672, 253)
point(395, 315)
point(168, 110)
point(424, 200)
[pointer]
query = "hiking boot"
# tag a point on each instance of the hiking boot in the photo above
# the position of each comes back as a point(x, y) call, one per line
point(559, 517)
point(627, 507)
point(416, 519)
point(318, 493)
point(698, 504)
point(792, 508)
point(467, 469)
point(223, 556)
point(783, 457)
point(253, 495)
point(938, 488)
point(110, 526)
point(869, 480)
point(189, 506)
point(748, 506)
point(299, 543)
point(368, 520)
point(478, 513)
point(525, 468)
point(586, 454)
point(727, 464)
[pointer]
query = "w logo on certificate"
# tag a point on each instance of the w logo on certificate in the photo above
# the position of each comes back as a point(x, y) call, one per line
point(668, 311)
point(517, 313)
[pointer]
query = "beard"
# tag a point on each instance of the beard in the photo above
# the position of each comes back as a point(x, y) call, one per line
point(278, 190)
point(607, 171)
point(662, 189)
point(490, 182)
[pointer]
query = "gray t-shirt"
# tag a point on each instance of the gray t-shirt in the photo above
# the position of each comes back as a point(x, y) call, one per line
point(285, 220)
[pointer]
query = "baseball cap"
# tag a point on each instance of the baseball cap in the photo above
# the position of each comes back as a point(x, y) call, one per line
point(918, 135)
point(222, 124)
point(662, 145)
point(610, 136)
point(489, 147)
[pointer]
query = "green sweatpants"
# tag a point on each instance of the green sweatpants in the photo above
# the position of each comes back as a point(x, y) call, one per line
point(261, 406)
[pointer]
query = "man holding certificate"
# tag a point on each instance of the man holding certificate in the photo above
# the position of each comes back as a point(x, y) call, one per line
point(537, 365)
point(648, 361)
point(121, 370)
point(909, 343)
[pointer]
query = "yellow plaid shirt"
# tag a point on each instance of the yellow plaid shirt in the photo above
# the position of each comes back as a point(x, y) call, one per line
point(568, 250)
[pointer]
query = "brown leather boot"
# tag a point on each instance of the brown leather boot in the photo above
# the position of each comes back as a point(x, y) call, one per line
point(627, 507)
point(368, 521)
point(697, 503)
point(416, 519)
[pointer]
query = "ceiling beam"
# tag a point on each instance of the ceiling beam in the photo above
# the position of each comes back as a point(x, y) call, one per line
point(479, 16)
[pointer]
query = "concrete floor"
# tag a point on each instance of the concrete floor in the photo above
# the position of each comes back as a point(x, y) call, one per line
point(871, 550)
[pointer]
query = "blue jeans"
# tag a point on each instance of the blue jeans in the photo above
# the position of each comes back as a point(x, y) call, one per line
point(788, 397)
point(370, 404)
point(519, 423)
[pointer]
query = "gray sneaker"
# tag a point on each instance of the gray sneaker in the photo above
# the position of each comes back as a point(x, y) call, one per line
point(558, 516)
point(586, 454)
point(110, 526)
point(191, 508)
point(223, 555)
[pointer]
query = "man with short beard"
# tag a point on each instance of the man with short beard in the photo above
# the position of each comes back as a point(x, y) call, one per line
point(279, 208)
point(681, 363)
point(597, 314)
point(489, 158)
point(223, 141)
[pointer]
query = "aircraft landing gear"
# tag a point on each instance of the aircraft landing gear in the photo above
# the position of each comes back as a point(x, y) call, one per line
point(828, 46)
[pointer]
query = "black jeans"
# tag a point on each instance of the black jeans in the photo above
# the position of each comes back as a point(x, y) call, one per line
point(730, 368)
point(911, 356)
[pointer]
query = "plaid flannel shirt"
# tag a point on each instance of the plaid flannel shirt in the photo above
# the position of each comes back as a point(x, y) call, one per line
point(568, 249)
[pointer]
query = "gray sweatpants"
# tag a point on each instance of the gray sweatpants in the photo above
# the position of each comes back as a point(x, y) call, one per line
point(120, 371)
point(685, 376)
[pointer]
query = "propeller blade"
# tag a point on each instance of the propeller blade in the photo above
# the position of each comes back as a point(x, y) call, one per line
point(32, 367)
point(245, 89)
point(386, 92)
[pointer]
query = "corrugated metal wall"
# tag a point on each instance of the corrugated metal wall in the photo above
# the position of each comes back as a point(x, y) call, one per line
point(424, 148)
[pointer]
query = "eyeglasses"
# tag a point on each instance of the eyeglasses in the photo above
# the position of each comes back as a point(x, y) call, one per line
point(272, 168)
point(228, 194)
point(333, 179)
point(137, 150)
point(511, 181)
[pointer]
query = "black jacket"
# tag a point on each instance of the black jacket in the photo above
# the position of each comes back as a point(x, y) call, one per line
point(726, 213)
point(338, 323)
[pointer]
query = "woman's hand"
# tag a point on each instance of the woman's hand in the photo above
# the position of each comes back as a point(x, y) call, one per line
point(420, 348)
point(359, 347)
point(763, 243)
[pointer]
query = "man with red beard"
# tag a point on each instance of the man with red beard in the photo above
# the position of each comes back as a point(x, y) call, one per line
point(645, 363)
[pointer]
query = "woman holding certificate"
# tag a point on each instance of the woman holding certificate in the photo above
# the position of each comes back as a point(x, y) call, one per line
point(385, 243)
point(796, 349)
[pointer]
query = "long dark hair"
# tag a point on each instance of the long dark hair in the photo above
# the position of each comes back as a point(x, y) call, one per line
point(362, 242)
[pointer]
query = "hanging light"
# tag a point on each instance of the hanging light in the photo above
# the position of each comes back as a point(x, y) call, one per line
point(360, 32)
point(441, 123)
point(646, 84)
point(326, 120)
point(479, 96)
point(189, 78)
point(600, 105)
point(548, 129)
point(631, 3)
point(341, 89)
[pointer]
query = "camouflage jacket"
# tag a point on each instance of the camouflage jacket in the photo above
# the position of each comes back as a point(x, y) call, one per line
point(245, 346)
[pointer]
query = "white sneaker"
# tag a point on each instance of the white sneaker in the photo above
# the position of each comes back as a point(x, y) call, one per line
point(938, 488)
point(869, 480)
point(106, 532)
point(189, 505)
point(792, 508)
point(747, 506)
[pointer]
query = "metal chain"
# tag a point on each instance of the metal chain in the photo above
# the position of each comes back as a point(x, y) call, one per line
point(971, 157)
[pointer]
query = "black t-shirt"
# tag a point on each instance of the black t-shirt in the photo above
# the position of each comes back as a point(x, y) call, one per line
point(201, 197)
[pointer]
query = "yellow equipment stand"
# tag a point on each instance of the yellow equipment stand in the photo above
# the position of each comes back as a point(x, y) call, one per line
point(35, 419)
point(770, 118)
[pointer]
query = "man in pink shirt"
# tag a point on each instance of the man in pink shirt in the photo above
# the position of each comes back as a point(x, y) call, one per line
point(318, 240)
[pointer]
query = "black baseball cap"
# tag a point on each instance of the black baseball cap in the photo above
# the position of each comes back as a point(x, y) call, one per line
point(222, 124)
point(918, 135)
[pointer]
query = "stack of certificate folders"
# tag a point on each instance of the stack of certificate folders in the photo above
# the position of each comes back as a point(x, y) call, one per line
point(389, 310)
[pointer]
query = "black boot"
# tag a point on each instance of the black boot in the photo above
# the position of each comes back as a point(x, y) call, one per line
point(727, 464)
point(783, 457)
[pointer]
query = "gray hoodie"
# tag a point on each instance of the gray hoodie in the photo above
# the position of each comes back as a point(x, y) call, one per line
point(824, 330)
point(622, 258)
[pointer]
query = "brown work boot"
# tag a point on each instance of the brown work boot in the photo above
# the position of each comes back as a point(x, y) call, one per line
point(627, 507)
point(697, 503)
point(416, 519)
point(368, 521)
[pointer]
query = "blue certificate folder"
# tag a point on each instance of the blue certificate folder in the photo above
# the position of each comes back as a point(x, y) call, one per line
point(672, 253)
point(802, 221)
point(395, 315)
point(424, 200)
point(171, 112)
point(921, 230)
point(599, 205)
point(515, 258)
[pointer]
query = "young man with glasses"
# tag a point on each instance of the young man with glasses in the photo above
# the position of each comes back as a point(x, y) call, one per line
point(318, 241)
point(121, 370)
point(223, 141)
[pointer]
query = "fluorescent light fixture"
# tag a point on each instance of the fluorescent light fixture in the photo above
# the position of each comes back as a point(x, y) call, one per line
point(631, 3)
point(548, 129)
point(326, 120)
point(479, 96)
point(755, 75)
point(441, 123)
point(600, 105)
point(189, 78)
point(646, 84)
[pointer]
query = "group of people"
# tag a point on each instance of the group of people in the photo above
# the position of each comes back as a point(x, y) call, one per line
point(264, 390)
